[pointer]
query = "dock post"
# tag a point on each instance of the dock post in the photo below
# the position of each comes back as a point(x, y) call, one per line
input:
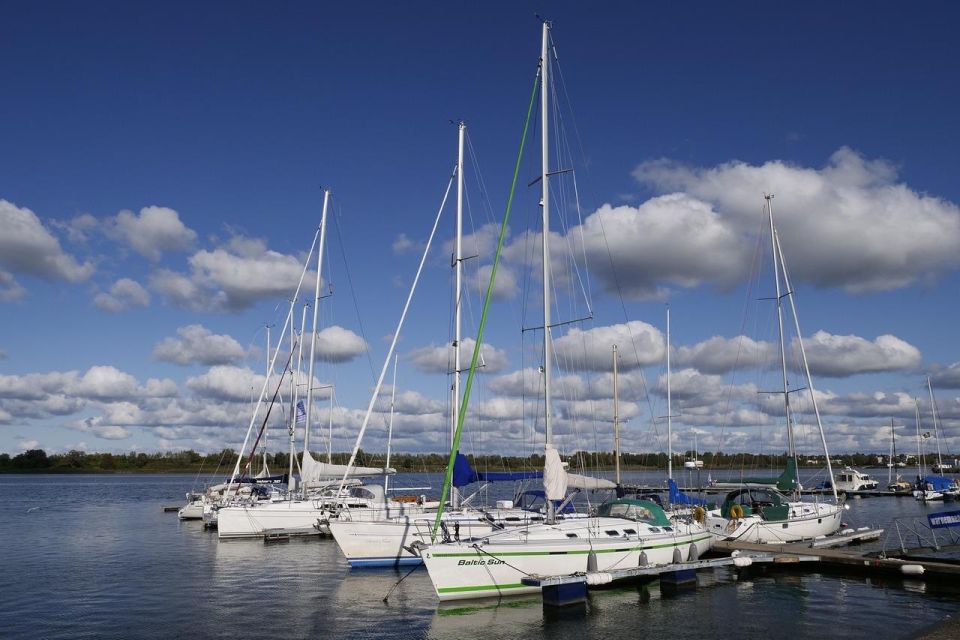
point(565, 595)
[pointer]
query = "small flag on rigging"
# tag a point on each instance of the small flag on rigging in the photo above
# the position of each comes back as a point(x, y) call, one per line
point(301, 414)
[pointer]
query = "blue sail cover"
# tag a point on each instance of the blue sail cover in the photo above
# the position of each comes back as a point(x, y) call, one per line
point(679, 497)
point(939, 483)
point(464, 474)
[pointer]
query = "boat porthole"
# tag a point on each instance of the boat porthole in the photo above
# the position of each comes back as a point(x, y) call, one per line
point(785, 525)
point(819, 520)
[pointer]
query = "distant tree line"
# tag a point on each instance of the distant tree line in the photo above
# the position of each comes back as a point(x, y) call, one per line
point(37, 461)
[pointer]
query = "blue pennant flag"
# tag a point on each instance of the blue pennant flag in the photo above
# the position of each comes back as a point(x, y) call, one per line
point(301, 414)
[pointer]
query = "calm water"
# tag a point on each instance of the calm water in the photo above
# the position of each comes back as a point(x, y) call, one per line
point(94, 557)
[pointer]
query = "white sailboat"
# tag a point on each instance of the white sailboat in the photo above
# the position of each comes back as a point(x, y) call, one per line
point(623, 532)
point(320, 488)
point(383, 537)
point(758, 513)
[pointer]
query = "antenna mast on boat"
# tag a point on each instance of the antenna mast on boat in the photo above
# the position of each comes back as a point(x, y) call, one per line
point(893, 448)
point(545, 205)
point(393, 398)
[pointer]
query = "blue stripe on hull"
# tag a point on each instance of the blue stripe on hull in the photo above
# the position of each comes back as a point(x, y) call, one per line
point(391, 561)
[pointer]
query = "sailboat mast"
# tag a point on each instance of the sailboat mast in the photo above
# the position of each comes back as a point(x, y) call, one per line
point(893, 439)
point(806, 366)
point(936, 429)
point(263, 452)
point(791, 450)
point(393, 398)
point(316, 308)
point(458, 263)
point(545, 205)
point(669, 407)
point(616, 417)
point(296, 399)
point(919, 451)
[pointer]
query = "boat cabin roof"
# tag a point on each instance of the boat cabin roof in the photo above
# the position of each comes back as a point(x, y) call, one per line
point(636, 510)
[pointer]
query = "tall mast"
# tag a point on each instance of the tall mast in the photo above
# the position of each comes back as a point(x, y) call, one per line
point(545, 205)
point(263, 452)
point(295, 399)
point(890, 461)
point(616, 417)
point(791, 450)
point(936, 429)
point(669, 407)
point(806, 366)
point(919, 452)
point(458, 287)
point(316, 307)
point(393, 398)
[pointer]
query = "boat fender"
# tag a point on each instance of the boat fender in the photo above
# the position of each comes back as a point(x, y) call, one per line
point(592, 562)
point(677, 556)
point(742, 561)
point(736, 512)
point(643, 560)
point(600, 577)
point(912, 569)
point(699, 514)
point(694, 554)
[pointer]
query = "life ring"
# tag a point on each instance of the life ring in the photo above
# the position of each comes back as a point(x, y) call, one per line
point(699, 514)
point(736, 512)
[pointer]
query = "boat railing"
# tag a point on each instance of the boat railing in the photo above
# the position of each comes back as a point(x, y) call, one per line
point(915, 534)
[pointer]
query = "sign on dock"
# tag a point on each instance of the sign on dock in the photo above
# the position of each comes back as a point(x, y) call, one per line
point(944, 519)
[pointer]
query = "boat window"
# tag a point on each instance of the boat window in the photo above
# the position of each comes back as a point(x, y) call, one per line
point(668, 528)
point(631, 532)
point(611, 532)
point(572, 535)
point(630, 512)
point(654, 530)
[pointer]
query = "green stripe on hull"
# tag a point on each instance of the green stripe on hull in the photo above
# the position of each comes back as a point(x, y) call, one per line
point(483, 587)
point(506, 554)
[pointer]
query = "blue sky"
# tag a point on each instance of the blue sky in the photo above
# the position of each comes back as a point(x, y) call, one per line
point(162, 171)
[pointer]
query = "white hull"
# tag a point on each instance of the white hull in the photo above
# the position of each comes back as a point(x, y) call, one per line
point(807, 520)
point(495, 566)
point(251, 521)
point(367, 542)
point(191, 511)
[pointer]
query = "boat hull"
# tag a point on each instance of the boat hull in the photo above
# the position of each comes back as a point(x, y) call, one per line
point(806, 522)
point(252, 521)
point(490, 570)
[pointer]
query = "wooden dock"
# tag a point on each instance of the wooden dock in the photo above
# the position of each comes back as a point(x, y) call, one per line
point(849, 561)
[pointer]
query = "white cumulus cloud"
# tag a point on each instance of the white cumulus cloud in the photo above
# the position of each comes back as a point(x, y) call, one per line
point(639, 345)
point(27, 246)
point(153, 231)
point(840, 356)
point(124, 294)
point(195, 344)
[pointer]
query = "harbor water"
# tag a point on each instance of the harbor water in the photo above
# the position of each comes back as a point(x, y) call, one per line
point(95, 557)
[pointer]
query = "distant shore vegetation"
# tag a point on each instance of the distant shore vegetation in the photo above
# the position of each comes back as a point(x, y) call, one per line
point(38, 461)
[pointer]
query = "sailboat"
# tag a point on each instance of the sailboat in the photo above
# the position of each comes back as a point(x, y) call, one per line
point(320, 487)
point(623, 531)
point(383, 537)
point(934, 487)
point(759, 513)
point(898, 485)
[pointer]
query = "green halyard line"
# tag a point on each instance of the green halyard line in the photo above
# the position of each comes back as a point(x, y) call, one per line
point(506, 554)
point(461, 417)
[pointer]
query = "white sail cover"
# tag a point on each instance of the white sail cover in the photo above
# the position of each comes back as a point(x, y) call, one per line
point(313, 472)
point(554, 475)
point(587, 482)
